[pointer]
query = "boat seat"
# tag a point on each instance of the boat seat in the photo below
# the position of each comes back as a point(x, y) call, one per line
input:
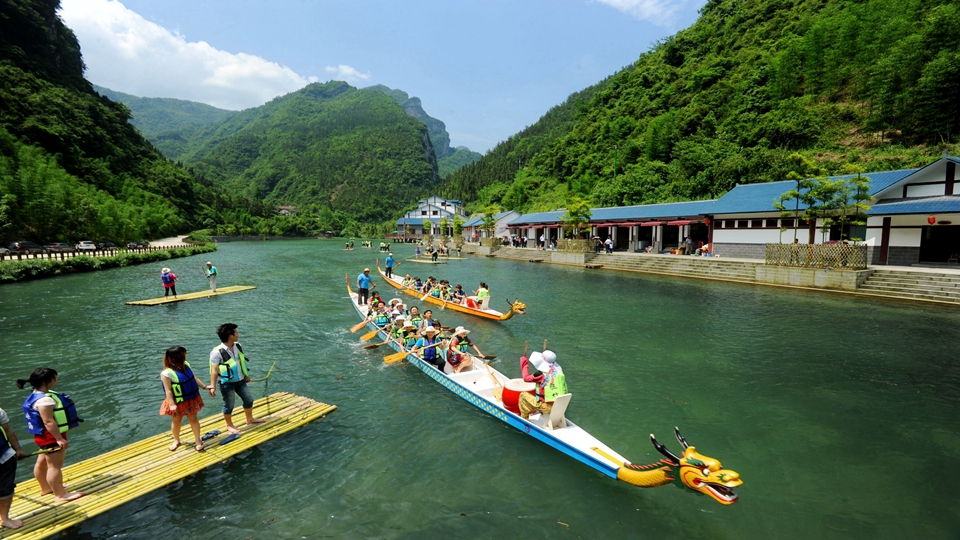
point(556, 419)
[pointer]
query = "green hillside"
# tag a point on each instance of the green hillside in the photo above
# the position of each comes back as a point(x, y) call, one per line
point(348, 150)
point(170, 124)
point(449, 159)
point(71, 167)
point(725, 101)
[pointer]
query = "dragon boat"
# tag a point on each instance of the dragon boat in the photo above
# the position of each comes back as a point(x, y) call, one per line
point(488, 389)
point(516, 307)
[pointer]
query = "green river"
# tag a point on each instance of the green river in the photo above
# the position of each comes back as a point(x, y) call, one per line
point(840, 414)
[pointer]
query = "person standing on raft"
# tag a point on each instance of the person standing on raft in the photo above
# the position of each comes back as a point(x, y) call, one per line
point(10, 452)
point(389, 264)
point(363, 286)
point(211, 272)
point(169, 280)
point(551, 383)
point(49, 415)
point(182, 390)
point(228, 365)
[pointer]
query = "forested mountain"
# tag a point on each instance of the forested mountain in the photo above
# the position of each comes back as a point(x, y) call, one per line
point(448, 159)
point(71, 166)
point(872, 82)
point(348, 150)
point(170, 124)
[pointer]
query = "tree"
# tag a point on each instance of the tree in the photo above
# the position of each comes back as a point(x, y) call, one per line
point(852, 196)
point(489, 219)
point(803, 171)
point(457, 226)
point(427, 227)
point(577, 216)
point(444, 223)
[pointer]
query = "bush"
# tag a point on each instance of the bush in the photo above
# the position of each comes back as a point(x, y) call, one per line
point(13, 271)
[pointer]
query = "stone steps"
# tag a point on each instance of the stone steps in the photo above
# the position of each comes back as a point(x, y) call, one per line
point(913, 285)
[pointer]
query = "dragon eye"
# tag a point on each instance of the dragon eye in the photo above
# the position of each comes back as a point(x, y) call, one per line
point(706, 472)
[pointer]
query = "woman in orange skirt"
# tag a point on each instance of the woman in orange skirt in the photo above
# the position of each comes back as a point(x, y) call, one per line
point(182, 389)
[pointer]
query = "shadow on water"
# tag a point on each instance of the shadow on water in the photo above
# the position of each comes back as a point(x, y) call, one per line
point(839, 413)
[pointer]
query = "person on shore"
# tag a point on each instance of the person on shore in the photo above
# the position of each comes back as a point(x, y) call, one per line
point(389, 263)
point(181, 388)
point(551, 383)
point(483, 296)
point(608, 245)
point(10, 452)
point(363, 286)
point(49, 416)
point(228, 366)
point(169, 280)
point(542, 244)
point(461, 342)
point(211, 272)
point(429, 345)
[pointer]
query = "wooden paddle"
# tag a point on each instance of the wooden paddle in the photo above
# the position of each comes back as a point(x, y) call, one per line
point(358, 326)
point(372, 334)
point(396, 357)
point(497, 387)
point(381, 344)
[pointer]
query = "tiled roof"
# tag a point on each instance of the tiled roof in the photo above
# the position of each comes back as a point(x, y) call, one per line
point(477, 220)
point(752, 198)
point(917, 205)
point(643, 211)
point(417, 220)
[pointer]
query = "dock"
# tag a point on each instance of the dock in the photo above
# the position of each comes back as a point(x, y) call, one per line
point(190, 296)
point(119, 476)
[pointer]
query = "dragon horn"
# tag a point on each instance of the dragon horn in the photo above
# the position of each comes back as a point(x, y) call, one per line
point(663, 450)
point(680, 438)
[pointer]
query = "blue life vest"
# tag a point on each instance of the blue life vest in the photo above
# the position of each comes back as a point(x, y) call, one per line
point(166, 278)
point(382, 319)
point(64, 413)
point(183, 385)
point(431, 353)
point(231, 369)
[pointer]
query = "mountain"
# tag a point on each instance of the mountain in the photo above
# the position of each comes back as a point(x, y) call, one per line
point(349, 150)
point(726, 101)
point(170, 124)
point(448, 159)
point(71, 166)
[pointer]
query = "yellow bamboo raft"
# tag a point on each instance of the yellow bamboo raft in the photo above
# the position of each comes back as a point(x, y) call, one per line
point(190, 296)
point(124, 474)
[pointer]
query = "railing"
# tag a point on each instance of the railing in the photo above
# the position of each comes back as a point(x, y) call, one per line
point(576, 245)
point(850, 256)
point(63, 255)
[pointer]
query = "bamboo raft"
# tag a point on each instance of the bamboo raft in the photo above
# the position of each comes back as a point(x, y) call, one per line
point(126, 473)
point(190, 296)
point(422, 261)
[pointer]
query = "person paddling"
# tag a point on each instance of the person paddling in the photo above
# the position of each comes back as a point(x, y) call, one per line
point(211, 272)
point(181, 388)
point(169, 280)
point(10, 452)
point(49, 416)
point(228, 366)
point(429, 345)
point(551, 383)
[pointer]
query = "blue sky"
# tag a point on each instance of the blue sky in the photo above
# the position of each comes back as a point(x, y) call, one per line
point(487, 69)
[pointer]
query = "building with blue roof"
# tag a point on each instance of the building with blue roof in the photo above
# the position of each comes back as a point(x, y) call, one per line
point(433, 210)
point(744, 220)
point(473, 228)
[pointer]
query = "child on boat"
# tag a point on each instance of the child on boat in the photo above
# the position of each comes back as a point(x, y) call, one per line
point(49, 415)
point(182, 390)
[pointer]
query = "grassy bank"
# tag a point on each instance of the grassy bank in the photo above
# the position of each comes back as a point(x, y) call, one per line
point(13, 271)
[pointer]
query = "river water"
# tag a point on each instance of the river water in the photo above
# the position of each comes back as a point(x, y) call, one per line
point(840, 414)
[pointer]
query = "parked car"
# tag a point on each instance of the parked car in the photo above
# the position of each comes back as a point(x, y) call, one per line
point(4, 251)
point(58, 247)
point(137, 245)
point(86, 245)
point(107, 245)
point(25, 247)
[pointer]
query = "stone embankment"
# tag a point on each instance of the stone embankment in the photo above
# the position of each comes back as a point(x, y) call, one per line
point(901, 283)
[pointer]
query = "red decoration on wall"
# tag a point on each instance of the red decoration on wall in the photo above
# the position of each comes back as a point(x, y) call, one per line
point(932, 219)
point(706, 221)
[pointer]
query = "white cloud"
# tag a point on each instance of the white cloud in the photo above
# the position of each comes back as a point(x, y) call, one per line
point(346, 73)
point(127, 53)
point(659, 12)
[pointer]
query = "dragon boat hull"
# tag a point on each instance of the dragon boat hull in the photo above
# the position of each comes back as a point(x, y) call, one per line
point(489, 314)
point(476, 387)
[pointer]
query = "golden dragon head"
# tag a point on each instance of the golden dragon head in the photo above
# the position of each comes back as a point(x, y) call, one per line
point(518, 307)
point(699, 472)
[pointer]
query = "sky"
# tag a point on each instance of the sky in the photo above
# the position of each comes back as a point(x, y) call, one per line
point(486, 68)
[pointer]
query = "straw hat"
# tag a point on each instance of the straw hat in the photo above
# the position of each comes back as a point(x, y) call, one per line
point(165, 271)
point(461, 330)
point(390, 254)
point(429, 329)
point(209, 263)
point(408, 324)
point(366, 269)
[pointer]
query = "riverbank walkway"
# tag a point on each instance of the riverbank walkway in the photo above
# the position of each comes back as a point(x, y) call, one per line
point(119, 476)
point(936, 285)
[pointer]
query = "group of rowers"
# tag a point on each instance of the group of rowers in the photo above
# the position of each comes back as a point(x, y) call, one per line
point(442, 290)
point(422, 335)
